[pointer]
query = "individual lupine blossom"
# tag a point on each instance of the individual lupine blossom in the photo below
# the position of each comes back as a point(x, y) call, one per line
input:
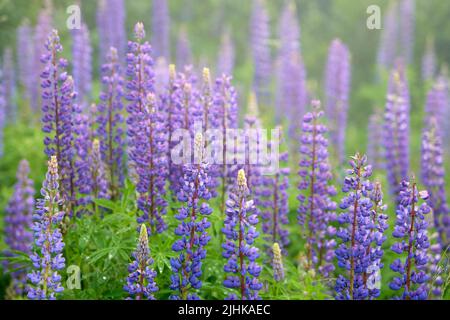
point(292, 96)
point(378, 219)
point(42, 30)
point(396, 129)
point(47, 256)
point(82, 63)
point(58, 115)
point(316, 211)
point(407, 17)
point(429, 61)
point(161, 29)
point(192, 236)
point(375, 150)
point(277, 263)
point(110, 129)
point(387, 49)
point(337, 91)
point(9, 85)
point(184, 52)
point(240, 231)
point(226, 56)
point(18, 220)
point(111, 16)
point(224, 115)
point(259, 39)
point(437, 104)
point(141, 279)
point(355, 251)
point(433, 177)
point(25, 57)
point(411, 232)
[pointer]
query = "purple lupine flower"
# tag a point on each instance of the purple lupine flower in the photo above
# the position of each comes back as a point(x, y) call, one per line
point(141, 279)
point(9, 85)
point(99, 182)
point(42, 30)
point(337, 91)
point(433, 178)
point(111, 15)
point(253, 147)
point(354, 254)
point(161, 74)
point(161, 29)
point(82, 165)
point(191, 232)
point(259, 39)
point(224, 115)
point(226, 56)
point(47, 255)
point(438, 267)
point(375, 150)
point(18, 220)
point(110, 122)
point(59, 113)
point(189, 113)
point(396, 129)
point(184, 53)
point(437, 104)
point(207, 105)
point(397, 38)
point(146, 134)
point(241, 255)
point(378, 220)
point(411, 232)
point(292, 96)
point(277, 263)
point(316, 211)
point(25, 57)
point(407, 17)
point(429, 61)
point(82, 63)
point(387, 48)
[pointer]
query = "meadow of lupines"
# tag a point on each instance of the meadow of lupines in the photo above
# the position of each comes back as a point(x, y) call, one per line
point(110, 202)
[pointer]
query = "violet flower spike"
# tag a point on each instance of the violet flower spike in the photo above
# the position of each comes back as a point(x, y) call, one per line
point(18, 221)
point(411, 232)
point(240, 231)
point(47, 256)
point(192, 236)
point(316, 211)
point(140, 283)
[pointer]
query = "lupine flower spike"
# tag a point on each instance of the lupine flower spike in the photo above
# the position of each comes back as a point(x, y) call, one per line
point(141, 279)
point(58, 116)
point(47, 256)
point(396, 129)
point(146, 134)
point(411, 232)
point(18, 221)
point(433, 177)
point(277, 263)
point(241, 255)
point(187, 267)
point(110, 122)
point(316, 211)
point(359, 233)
